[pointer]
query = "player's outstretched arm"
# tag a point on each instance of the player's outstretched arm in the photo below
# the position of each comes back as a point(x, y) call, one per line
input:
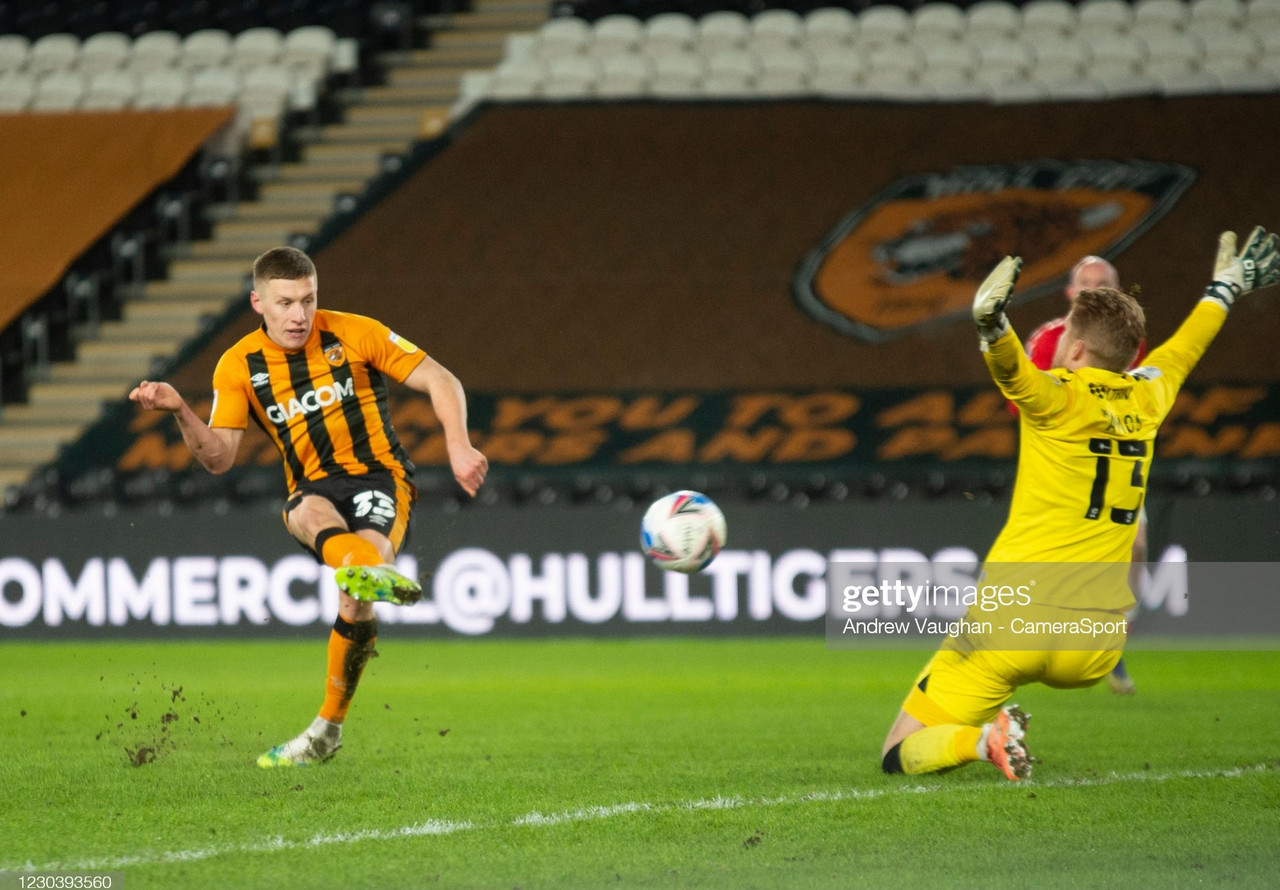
point(450, 403)
point(215, 448)
point(992, 296)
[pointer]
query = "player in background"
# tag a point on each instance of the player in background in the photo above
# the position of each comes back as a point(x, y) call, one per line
point(314, 380)
point(1088, 273)
point(1087, 431)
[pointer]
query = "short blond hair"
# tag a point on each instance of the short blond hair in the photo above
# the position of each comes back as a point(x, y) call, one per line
point(1112, 325)
point(288, 263)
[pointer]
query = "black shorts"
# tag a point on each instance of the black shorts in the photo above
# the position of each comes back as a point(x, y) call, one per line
point(377, 501)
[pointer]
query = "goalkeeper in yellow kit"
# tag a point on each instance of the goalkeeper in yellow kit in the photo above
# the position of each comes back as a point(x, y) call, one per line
point(1087, 435)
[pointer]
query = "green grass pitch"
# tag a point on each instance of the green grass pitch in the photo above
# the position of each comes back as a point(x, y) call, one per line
point(660, 763)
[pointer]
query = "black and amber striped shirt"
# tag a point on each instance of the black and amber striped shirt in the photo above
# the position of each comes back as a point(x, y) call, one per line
point(325, 405)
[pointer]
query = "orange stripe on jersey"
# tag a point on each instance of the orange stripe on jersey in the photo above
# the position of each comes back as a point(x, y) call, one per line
point(324, 406)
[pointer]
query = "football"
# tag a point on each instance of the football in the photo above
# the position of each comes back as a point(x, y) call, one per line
point(682, 531)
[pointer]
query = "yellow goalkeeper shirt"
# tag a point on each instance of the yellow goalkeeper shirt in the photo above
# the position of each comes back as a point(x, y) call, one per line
point(1087, 441)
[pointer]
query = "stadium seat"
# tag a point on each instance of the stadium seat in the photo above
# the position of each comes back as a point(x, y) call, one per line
point(211, 87)
point(784, 72)
point(623, 75)
point(780, 27)
point(569, 76)
point(1057, 57)
point(16, 91)
point(830, 25)
point(1231, 50)
point(952, 85)
point(1018, 91)
point(154, 49)
point(519, 78)
point(1262, 14)
point(160, 89)
point(14, 49)
point(721, 30)
point(1079, 89)
point(1226, 12)
point(898, 62)
point(104, 51)
point(959, 59)
point(676, 74)
point(612, 34)
point(310, 47)
point(1172, 48)
point(992, 20)
point(883, 25)
point(1116, 55)
point(53, 52)
point(255, 47)
point(670, 32)
point(1103, 17)
point(1192, 83)
point(1002, 60)
point(1253, 80)
point(1160, 14)
point(1048, 16)
point(58, 91)
point(206, 48)
point(109, 91)
point(937, 22)
point(837, 65)
point(562, 36)
point(1125, 86)
point(730, 72)
point(265, 90)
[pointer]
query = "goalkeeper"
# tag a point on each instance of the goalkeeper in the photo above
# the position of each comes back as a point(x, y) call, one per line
point(1087, 433)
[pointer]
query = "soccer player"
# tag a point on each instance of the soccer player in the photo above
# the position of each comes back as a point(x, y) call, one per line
point(1087, 431)
point(315, 381)
point(1088, 273)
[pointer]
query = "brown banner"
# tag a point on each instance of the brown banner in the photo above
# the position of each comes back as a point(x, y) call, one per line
point(65, 179)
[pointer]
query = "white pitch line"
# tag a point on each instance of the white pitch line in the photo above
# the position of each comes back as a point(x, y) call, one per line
point(596, 813)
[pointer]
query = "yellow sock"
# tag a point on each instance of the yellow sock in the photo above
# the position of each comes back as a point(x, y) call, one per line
point(348, 549)
point(350, 648)
point(937, 748)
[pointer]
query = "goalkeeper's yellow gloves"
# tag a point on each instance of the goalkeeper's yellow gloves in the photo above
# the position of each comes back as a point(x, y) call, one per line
point(1256, 265)
point(993, 295)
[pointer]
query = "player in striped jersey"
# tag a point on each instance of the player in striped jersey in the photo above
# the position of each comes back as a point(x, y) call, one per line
point(316, 382)
point(1087, 433)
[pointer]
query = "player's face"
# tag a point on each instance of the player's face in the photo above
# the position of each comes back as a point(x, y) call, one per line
point(288, 308)
point(1090, 276)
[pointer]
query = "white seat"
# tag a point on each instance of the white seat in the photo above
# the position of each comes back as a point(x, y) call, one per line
point(160, 88)
point(211, 87)
point(104, 51)
point(1080, 89)
point(206, 48)
point(723, 29)
point(265, 90)
point(616, 34)
point(836, 84)
point(16, 90)
point(732, 63)
point(670, 32)
point(830, 25)
point(53, 52)
point(623, 75)
point(562, 36)
point(1016, 92)
point(906, 60)
point(676, 74)
point(519, 78)
point(883, 24)
point(992, 20)
point(952, 85)
point(1095, 18)
point(255, 46)
point(781, 27)
point(896, 87)
point(154, 49)
point(1058, 58)
point(1161, 14)
point(1117, 53)
point(1240, 47)
point(1173, 46)
point(109, 90)
point(569, 77)
point(953, 57)
point(1228, 12)
point(839, 64)
point(1252, 80)
point(1124, 86)
point(1193, 83)
point(1002, 59)
point(1261, 14)
point(1169, 69)
point(936, 22)
point(58, 91)
point(14, 49)
point(311, 47)
point(1051, 16)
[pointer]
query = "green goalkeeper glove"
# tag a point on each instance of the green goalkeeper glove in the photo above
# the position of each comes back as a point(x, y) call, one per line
point(1256, 265)
point(993, 295)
